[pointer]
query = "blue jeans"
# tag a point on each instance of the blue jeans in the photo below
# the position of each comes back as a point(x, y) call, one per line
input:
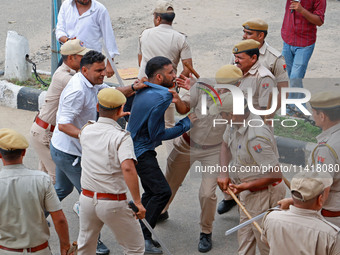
point(67, 175)
point(297, 59)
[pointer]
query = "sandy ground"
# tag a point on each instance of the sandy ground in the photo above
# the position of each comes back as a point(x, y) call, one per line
point(213, 27)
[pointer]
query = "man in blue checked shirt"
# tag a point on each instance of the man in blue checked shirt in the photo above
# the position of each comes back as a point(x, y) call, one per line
point(147, 129)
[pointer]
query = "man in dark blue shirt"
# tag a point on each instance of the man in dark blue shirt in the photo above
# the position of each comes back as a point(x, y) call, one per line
point(147, 128)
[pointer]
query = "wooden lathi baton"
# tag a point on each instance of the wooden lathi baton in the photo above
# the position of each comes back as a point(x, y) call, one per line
point(286, 181)
point(73, 249)
point(244, 209)
point(192, 70)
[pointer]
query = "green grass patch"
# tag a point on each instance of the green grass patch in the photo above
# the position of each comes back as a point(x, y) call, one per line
point(304, 131)
point(33, 82)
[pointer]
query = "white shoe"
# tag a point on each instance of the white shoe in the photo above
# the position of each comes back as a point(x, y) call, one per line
point(76, 207)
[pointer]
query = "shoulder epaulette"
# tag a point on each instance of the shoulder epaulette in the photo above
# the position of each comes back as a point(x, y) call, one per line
point(88, 123)
point(274, 51)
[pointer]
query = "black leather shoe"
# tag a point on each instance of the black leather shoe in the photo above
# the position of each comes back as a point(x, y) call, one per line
point(155, 243)
point(205, 243)
point(163, 216)
point(225, 206)
point(150, 248)
point(101, 248)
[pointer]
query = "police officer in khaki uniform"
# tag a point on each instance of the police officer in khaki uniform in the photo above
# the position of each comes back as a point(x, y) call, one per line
point(254, 172)
point(108, 171)
point(301, 229)
point(163, 40)
point(201, 143)
point(325, 156)
point(326, 113)
point(43, 126)
point(255, 76)
point(25, 196)
point(270, 58)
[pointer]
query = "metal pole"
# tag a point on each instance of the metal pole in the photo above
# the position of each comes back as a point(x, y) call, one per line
point(120, 81)
point(55, 56)
point(135, 209)
point(246, 223)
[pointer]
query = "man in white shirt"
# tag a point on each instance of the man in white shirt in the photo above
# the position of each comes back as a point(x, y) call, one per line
point(44, 123)
point(89, 21)
point(77, 105)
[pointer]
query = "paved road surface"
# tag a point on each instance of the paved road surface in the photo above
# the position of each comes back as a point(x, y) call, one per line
point(180, 233)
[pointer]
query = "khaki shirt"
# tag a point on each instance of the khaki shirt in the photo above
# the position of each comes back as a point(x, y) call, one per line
point(261, 81)
point(105, 145)
point(203, 132)
point(60, 79)
point(164, 41)
point(253, 149)
point(25, 195)
point(300, 231)
point(271, 59)
point(326, 157)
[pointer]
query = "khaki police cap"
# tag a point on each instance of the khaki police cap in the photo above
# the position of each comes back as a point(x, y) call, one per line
point(111, 98)
point(228, 74)
point(12, 140)
point(256, 25)
point(310, 184)
point(163, 6)
point(325, 100)
point(246, 45)
point(73, 47)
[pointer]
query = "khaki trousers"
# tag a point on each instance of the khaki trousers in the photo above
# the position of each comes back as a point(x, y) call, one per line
point(93, 214)
point(40, 140)
point(178, 164)
point(169, 119)
point(257, 203)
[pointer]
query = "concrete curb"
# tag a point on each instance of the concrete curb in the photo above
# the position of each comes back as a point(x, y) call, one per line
point(294, 151)
point(18, 97)
point(291, 151)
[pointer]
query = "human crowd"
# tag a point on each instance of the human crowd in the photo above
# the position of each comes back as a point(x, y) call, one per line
point(81, 142)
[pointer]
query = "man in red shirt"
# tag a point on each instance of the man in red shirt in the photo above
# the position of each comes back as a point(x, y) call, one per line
point(299, 35)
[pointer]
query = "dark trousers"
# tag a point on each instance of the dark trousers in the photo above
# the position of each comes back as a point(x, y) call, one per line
point(157, 191)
